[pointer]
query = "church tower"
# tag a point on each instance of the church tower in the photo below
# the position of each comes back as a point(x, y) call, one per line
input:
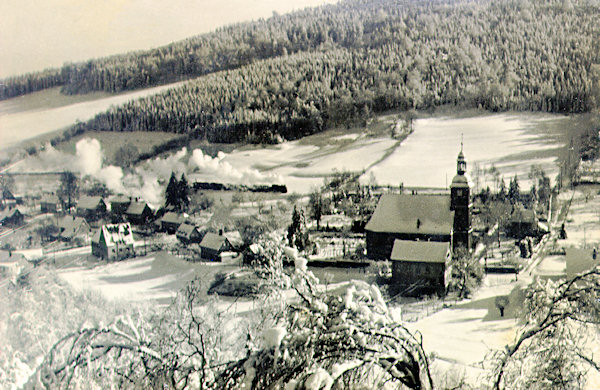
point(460, 203)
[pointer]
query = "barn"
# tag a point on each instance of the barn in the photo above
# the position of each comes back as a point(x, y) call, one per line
point(420, 267)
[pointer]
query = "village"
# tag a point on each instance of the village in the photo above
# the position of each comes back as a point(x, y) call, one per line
point(456, 259)
point(416, 242)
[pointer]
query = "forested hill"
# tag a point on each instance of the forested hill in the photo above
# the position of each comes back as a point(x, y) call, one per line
point(295, 74)
point(556, 31)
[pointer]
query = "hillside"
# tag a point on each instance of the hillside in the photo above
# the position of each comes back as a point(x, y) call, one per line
point(295, 74)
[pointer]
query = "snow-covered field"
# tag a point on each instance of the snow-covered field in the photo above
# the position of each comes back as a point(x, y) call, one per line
point(427, 158)
point(153, 278)
point(20, 126)
point(583, 224)
point(512, 142)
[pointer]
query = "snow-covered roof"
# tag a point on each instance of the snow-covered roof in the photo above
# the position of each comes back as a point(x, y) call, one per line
point(119, 233)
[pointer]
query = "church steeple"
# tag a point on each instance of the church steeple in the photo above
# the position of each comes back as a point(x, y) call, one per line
point(460, 202)
point(461, 163)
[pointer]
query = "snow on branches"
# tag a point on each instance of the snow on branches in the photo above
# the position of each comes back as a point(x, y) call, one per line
point(552, 348)
point(345, 338)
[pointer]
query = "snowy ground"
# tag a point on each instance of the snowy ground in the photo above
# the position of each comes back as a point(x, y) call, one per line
point(512, 142)
point(157, 277)
point(583, 223)
point(19, 126)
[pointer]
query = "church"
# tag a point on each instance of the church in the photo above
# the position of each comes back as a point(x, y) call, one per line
point(421, 232)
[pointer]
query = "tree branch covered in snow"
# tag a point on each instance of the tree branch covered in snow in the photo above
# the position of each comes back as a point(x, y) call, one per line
point(345, 337)
point(550, 350)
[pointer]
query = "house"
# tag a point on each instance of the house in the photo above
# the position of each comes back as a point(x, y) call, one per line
point(420, 266)
point(522, 223)
point(213, 245)
point(119, 205)
point(422, 217)
point(139, 213)
point(50, 204)
point(170, 222)
point(11, 217)
point(12, 266)
point(235, 238)
point(71, 227)
point(92, 208)
point(188, 234)
point(114, 242)
point(8, 199)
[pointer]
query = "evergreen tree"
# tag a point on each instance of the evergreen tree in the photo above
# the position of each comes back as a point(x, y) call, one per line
point(513, 190)
point(502, 191)
point(183, 193)
point(172, 192)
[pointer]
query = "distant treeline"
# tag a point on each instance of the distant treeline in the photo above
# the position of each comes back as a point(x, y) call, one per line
point(295, 74)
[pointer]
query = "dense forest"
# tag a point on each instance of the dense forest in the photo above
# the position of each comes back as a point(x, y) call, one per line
point(294, 74)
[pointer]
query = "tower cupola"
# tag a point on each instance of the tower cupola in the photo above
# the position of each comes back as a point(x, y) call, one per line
point(461, 163)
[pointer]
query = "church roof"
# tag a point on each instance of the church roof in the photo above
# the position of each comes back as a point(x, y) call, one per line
point(420, 251)
point(421, 214)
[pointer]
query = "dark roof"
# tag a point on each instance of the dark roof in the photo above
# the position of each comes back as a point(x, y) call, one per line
point(399, 213)
point(521, 214)
point(71, 225)
point(420, 251)
point(120, 199)
point(186, 230)
point(6, 194)
point(136, 208)
point(213, 241)
point(9, 213)
point(172, 217)
point(89, 202)
point(96, 236)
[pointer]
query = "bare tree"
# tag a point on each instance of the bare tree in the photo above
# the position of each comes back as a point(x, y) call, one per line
point(561, 318)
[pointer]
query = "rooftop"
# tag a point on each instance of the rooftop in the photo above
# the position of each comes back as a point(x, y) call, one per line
point(89, 202)
point(403, 213)
point(212, 241)
point(420, 251)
